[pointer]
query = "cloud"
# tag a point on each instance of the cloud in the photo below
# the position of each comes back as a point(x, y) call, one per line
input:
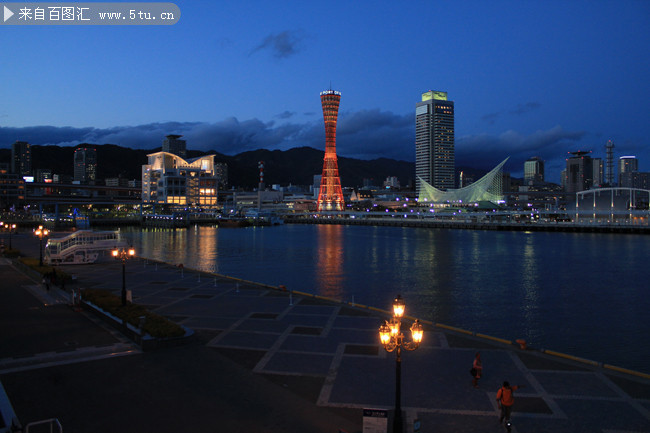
point(490, 118)
point(520, 109)
point(485, 151)
point(525, 108)
point(364, 134)
point(281, 45)
point(369, 134)
point(285, 114)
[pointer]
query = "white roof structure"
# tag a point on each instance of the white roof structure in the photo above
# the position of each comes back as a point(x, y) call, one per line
point(487, 188)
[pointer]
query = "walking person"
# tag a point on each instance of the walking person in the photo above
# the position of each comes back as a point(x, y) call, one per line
point(477, 369)
point(506, 398)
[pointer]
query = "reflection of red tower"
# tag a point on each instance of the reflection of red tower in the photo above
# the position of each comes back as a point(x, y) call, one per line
point(330, 196)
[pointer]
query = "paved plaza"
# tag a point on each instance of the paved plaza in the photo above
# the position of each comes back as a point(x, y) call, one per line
point(310, 364)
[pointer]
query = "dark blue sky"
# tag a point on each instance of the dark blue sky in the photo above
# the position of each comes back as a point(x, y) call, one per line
point(528, 78)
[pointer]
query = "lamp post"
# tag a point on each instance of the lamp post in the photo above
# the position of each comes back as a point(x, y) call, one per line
point(41, 233)
point(11, 228)
point(392, 338)
point(124, 255)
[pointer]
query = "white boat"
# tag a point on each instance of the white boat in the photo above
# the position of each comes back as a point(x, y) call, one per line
point(82, 246)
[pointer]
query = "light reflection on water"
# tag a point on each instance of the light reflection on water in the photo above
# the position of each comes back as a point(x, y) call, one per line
point(579, 293)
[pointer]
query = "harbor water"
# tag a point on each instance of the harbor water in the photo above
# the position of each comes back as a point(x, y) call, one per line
point(583, 294)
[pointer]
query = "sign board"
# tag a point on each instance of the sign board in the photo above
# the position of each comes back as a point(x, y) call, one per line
point(375, 421)
point(434, 94)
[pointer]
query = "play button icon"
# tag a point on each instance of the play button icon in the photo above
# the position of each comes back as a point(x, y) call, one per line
point(8, 13)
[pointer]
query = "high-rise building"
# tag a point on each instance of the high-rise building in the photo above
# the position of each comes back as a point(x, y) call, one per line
point(85, 164)
point(330, 195)
point(434, 141)
point(609, 148)
point(221, 173)
point(172, 144)
point(534, 170)
point(599, 174)
point(21, 158)
point(627, 164)
point(579, 172)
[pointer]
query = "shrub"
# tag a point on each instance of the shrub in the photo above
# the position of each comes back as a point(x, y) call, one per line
point(33, 263)
point(154, 325)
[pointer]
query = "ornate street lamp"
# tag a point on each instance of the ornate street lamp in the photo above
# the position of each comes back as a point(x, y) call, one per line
point(392, 338)
point(123, 254)
point(41, 233)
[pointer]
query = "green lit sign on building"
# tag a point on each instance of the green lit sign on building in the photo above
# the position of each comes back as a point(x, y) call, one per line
point(434, 94)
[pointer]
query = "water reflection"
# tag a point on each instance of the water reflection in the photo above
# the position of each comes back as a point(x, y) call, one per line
point(329, 267)
point(571, 292)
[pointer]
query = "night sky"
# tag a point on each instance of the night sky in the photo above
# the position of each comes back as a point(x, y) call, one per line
point(528, 78)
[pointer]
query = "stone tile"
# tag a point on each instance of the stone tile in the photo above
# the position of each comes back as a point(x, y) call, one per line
point(586, 384)
point(246, 340)
point(305, 320)
point(263, 325)
point(357, 322)
point(358, 336)
point(311, 364)
point(325, 310)
point(304, 343)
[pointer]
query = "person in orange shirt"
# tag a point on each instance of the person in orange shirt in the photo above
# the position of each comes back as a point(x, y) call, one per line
point(477, 369)
point(506, 399)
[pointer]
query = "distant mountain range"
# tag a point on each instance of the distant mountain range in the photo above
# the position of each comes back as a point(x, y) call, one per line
point(295, 166)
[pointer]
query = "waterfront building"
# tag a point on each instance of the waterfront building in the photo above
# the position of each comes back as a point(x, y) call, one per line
point(221, 172)
point(487, 188)
point(12, 189)
point(609, 149)
point(43, 175)
point(627, 164)
point(635, 179)
point(464, 180)
point(330, 195)
point(434, 141)
point(391, 182)
point(85, 165)
point(21, 158)
point(579, 172)
point(534, 170)
point(170, 179)
point(173, 144)
point(598, 174)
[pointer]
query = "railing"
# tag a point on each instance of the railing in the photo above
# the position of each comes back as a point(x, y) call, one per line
point(53, 422)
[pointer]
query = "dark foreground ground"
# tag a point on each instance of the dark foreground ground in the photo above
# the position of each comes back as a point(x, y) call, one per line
point(262, 361)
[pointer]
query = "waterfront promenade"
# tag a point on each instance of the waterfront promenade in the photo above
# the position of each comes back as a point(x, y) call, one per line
point(264, 361)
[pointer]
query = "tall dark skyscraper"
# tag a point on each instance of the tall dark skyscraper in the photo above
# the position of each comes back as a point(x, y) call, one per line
point(534, 170)
point(85, 164)
point(579, 172)
point(21, 158)
point(172, 144)
point(434, 141)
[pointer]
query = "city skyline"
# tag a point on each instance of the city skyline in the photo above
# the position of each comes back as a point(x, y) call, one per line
point(538, 79)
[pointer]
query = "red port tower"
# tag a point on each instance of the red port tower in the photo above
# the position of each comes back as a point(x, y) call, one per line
point(330, 196)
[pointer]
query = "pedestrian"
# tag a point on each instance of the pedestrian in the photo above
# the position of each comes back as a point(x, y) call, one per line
point(506, 398)
point(46, 281)
point(477, 369)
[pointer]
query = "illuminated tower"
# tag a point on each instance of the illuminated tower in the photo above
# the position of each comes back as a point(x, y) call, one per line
point(330, 196)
